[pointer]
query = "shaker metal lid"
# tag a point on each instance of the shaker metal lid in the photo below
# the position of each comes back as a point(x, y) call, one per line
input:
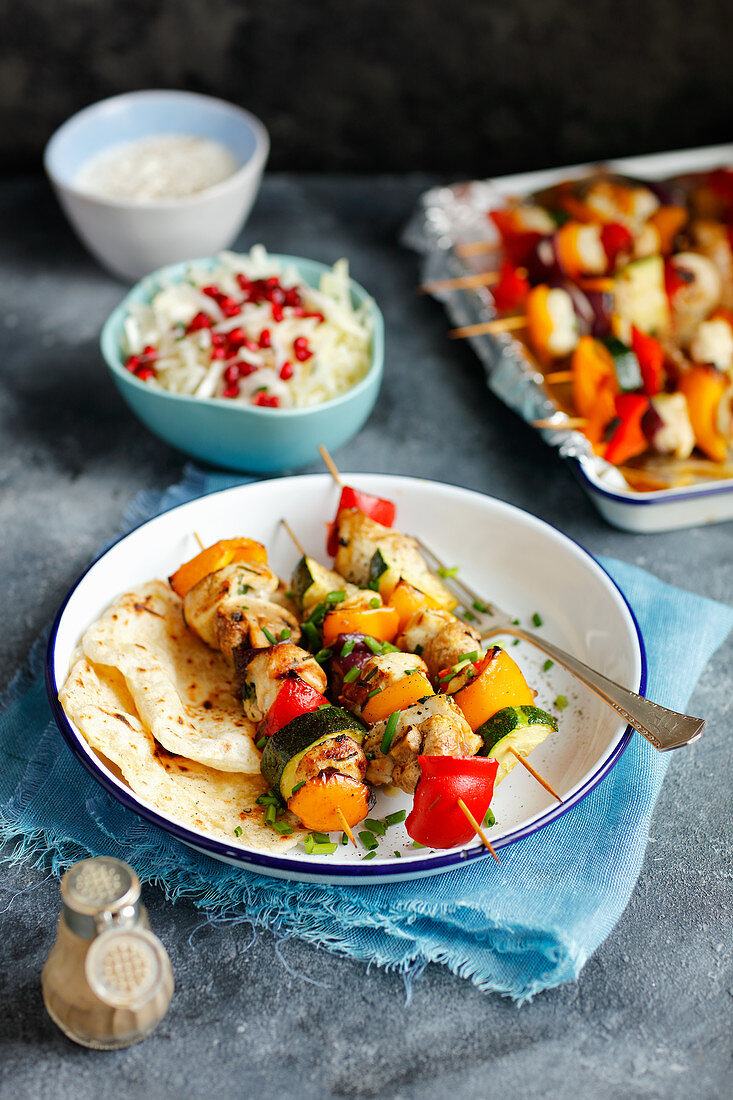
point(124, 967)
point(99, 884)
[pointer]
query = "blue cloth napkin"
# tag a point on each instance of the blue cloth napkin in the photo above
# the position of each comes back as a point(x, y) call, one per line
point(518, 928)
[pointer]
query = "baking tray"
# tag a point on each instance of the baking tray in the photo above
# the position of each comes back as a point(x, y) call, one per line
point(448, 216)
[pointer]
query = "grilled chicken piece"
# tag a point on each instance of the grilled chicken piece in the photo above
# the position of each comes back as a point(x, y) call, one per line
point(263, 671)
point(341, 753)
point(234, 607)
point(378, 672)
point(697, 297)
point(712, 240)
point(433, 727)
point(439, 637)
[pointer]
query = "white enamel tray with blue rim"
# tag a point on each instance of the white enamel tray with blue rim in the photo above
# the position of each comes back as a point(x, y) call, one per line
point(459, 213)
point(506, 554)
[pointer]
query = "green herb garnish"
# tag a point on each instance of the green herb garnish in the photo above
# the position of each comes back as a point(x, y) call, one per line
point(417, 844)
point(389, 731)
point(489, 819)
point(396, 817)
point(269, 635)
point(299, 785)
point(561, 702)
point(478, 606)
point(351, 675)
point(369, 855)
point(282, 828)
point(373, 692)
point(270, 815)
point(374, 645)
point(324, 655)
point(284, 634)
point(547, 665)
point(444, 571)
point(376, 826)
point(376, 602)
point(261, 743)
point(537, 619)
point(238, 830)
point(368, 839)
point(347, 648)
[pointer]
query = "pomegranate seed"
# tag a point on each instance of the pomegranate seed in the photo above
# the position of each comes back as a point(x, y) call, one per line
point(133, 363)
point(266, 400)
point(211, 291)
point(277, 312)
point(318, 317)
point(292, 297)
point(272, 282)
point(150, 352)
point(265, 338)
point(246, 369)
point(301, 349)
point(231, 374)
point(299, 311)
point(144, 373)
point(219, 339)
point(286, 371)
point(231, 390)
point(201, 320)
point(251, 345)
point(244, 283)
point(218, 353)
point(229, 307)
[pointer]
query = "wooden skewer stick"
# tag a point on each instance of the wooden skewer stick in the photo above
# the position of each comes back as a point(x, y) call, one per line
point(292, 534)
point(197, 536)
point(557, 377)
point(461, 282)
point(483, 328)
point(477, 248)
point(345, 825)
point(536, 775)
point(332, 467)
point(561, 425)
point(477, 828)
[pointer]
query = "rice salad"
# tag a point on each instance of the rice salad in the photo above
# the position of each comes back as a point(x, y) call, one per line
point(251, 331)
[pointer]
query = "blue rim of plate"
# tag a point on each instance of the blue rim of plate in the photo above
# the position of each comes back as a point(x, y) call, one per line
point(328, 871)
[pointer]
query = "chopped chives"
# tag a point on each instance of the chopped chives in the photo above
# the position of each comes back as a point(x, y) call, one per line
point(376, 602)
point(351, 675)
point(469, 616)
point(547, 665)
point(515, 622)
point(289, 594)
point(472, 656)
point(478, 606)
point(324, 849)
point(561, 702)
point(282, 828)
point(344, 838)
point(261, 743)
point(369, 855)
point(323, 655)
point(537, 619)
point(387, 647)
point(417, 844)
point(298, 786)
point(374, 645)
point(396, 817)
point(398, 854)
point(323, 706)
point(269, 635)
point(321, 838)
point(368, 839)
point(271, 814)
point(347, 648)
point(376, 826)
point(284, 634)
point(238, 830)
point(489, 819)
point(444, 571)
point(373, 692)
point(389, 731)
point(312, 635)
point(516, 641)
point(336, 596)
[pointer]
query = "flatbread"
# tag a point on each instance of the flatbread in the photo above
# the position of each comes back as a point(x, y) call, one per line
point(182, 690)
point(97, 699)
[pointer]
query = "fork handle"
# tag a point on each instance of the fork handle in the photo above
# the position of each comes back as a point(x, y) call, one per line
point(665, 729)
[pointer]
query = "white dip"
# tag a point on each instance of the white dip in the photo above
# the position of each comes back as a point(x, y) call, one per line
point(166, 166)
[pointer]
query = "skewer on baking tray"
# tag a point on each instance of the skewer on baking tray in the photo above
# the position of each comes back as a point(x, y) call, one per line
point(569, 423)
point(511, 323)
point(477, 828)
point(558, 377)
point(472, 596)
point(461, 282)
point(477, 248)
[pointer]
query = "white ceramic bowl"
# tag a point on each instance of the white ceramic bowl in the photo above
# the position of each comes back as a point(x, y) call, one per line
point(134, 238)
point(512, 557)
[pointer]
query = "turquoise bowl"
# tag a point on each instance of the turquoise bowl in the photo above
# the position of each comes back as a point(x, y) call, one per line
point(246, 438)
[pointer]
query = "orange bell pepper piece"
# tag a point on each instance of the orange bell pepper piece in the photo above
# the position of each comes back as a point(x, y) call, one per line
point(222, 553)
point(499, 683)
point(407, 600)
point(402, 693)
point(668, 220)
point(594, 380)
point(319, 801)
point(539, 321)
point(704, 386)
point(380, 623)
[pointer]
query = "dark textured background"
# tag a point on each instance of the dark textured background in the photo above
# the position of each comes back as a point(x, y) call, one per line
point(464, 87)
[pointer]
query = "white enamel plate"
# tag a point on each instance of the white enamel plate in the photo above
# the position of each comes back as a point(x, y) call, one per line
point(503, 553)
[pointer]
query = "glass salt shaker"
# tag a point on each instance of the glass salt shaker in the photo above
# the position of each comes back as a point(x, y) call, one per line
point(107, 982)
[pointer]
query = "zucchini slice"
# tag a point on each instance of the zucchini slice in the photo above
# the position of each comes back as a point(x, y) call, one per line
point(626, 365)
point(641, 299)
point(312, 582)
point(518, 728)
point(290, 742)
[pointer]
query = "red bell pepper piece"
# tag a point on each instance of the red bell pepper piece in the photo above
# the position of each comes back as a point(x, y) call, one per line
point(519, 244)
point(674, 279)
point(378, 509)
point(512, 289)
point(615, 239)
point(436, 819)
point(650, 354)
point(628, 440)
point(295, 697)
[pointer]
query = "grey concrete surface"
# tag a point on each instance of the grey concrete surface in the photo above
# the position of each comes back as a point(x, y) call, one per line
point(651, 1015)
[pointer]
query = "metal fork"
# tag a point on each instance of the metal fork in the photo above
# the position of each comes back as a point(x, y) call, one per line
point(664, 729)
